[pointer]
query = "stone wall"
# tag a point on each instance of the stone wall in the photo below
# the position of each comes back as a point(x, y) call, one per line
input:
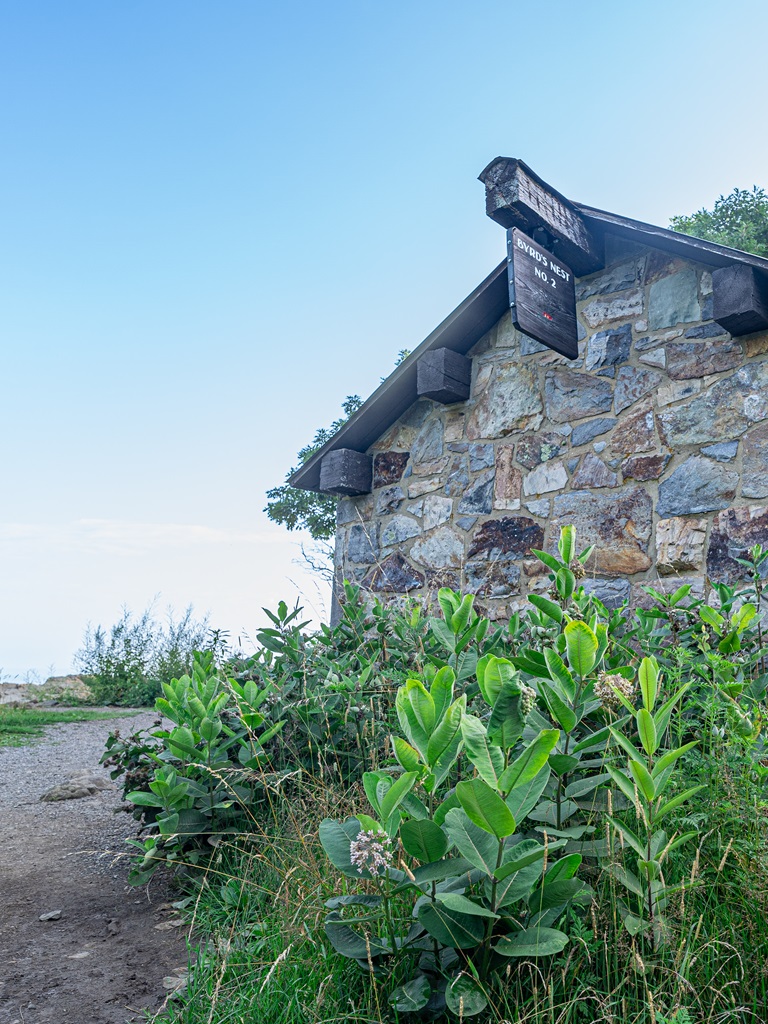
point(654, 444)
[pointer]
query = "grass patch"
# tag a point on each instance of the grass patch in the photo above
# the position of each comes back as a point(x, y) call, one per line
point(19, 726)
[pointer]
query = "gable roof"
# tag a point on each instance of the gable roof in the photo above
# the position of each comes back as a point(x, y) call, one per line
point(481, 309)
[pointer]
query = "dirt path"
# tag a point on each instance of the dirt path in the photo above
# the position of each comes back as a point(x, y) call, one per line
point(103, 961)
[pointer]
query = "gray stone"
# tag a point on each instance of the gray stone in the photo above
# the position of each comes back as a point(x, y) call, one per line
point(617, 522)
point(480, 456)
point(466, 522)
point(723, 452)
point(457, 478)
point(632, 384)
point(394, 575)
point(593, 472)
point(583, 433)
point(572, 463)
point(508, 536)
point(723, 412)
point(510, 402)
point(362, 546)
point(539, 507)
point(533, 449)
point(575, 396)
point(78, 785)
point(442, 549)
point(676, 391)
point(711, 330)
point(428, 444)
point(708, 307)
point(614, 279)
point(437, 510)
point(754, 463)
point(354, 510)
point(492, 579)
point(734, 532)
point(600, 446)
point(51, 915)
point(389, 499)
point(424, 486)
point(478, 498)
point(550, 476)
point(398, 530)
point(607, 348)
point(656, 357)
point(698, 485)
point(603, 311)
point(613, 593)
point(691, 359)
point(529, 346)
point(674, 300)
point(635, 433)
point(416, 508)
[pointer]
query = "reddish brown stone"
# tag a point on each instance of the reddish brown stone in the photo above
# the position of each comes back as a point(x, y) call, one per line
point(734, 532)
point(509, 479)
point(388, 467)
point(635, 432)
point(593, 472)
point(680, 544)
point(533, 449)
point(618, 523)
point(437, 578)
point(689, 359)
point(511, 535)
point(393, 575)
point(645, 467)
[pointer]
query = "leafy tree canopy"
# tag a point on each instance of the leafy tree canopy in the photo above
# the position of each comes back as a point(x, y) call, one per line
point(739, 220)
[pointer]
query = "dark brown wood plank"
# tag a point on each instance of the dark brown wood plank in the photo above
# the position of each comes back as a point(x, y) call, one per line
point(515, 197)
point(444, 376)
point(740, 299)
point(345, 471)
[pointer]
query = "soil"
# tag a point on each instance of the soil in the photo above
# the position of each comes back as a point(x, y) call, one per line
point(104, 959)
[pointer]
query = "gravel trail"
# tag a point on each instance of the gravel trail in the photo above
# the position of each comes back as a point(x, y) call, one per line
point(104, 959)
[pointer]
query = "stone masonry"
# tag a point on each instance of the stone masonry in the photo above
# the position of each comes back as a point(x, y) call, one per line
point(653, 443)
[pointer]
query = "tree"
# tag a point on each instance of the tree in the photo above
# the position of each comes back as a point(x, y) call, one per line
point(739, 220)
point(306, 510)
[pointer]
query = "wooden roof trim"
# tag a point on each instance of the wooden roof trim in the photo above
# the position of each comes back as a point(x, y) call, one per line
point(462, 329)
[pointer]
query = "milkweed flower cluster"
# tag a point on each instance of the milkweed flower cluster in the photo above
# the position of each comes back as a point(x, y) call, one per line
point(606, 687)
point(527, 699)
point(371, 851)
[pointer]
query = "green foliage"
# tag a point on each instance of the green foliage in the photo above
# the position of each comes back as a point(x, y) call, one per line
point(306, 510)
point(739, 220)
point(128, 664)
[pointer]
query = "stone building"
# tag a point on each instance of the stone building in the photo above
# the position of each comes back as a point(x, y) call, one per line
point(484, 442)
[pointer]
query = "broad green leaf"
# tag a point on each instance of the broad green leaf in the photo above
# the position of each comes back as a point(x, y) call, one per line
point(549, 608)
point(485, 756)
point(679, 594)
point(465, 997)
point(532, 942)
point(441, 690)
point(530, 762)
point(438, 871)
point(668, 759)
point(450, 927)
point(347, 942)
point(407, 756)
point(627, 745)
point(648, 677)
point(524, 797)
point(623, 782)
point(423, 840)
point(566, 544)
point(371, 782)
point(555, 893)
point(181, 743)
point(473, 843)
point(646, 728)
point(497, 671)
point(711, 617)
point(662, 716)
point(565, 583)
point(629, 836)
point(485, 808)
point(460, 618)
point(580, 787)
point(454, 901)
point(442, 809)
point(643, 779)
point(670, 805)
point(409, 722)
point(549, 560)
point(561, 764)
point(581, 645)
point(413, 996)
point(396, 793)
point(566, 867)
point(336, 838)
point(630, 882)
point(558, 709)
point(449, 602)
point(560, 672)
point(444, 744)
point(520, 856)
point(422, 704)
point(507, 721)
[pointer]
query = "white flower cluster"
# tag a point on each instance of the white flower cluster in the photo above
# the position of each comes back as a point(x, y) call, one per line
point(606, 687)
point(527, 698)
point(371, 851)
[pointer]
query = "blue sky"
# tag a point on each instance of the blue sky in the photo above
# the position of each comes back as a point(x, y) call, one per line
point(219, 219)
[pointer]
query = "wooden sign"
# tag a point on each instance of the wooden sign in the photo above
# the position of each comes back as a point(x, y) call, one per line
point(542, 294)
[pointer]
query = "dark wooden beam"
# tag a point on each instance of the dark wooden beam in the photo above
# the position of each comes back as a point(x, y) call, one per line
point(740, 299)
point(345, 471)
point(515, 197)
point(443, 375)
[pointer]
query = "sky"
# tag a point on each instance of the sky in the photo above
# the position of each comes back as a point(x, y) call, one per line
point(217, 220)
